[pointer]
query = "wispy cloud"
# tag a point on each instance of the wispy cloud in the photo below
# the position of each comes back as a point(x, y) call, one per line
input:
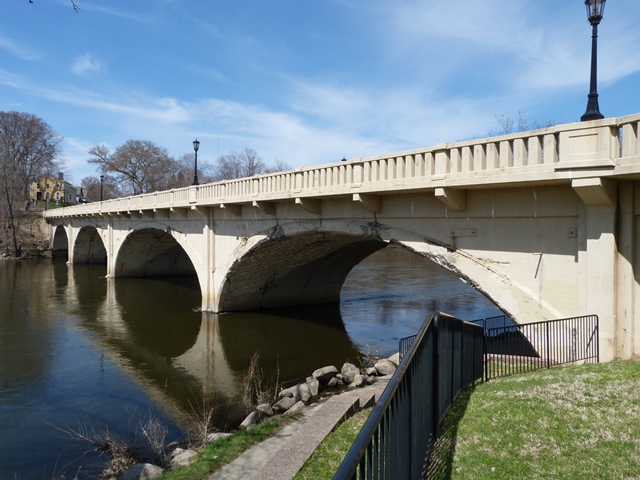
point(87, 64)
point(17, 51)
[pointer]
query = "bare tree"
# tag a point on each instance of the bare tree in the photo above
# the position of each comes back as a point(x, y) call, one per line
point(239, 164)
point(29, 149)
point(92, 187)
point(183, 175)
point(520, 124)
point(140, 164)
point(278, 166)
point(73, 4)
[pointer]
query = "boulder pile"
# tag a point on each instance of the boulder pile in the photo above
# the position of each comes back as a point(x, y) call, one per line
point(325, 380)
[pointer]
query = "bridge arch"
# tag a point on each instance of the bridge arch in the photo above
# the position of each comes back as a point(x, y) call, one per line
point(60, 242)
point(298, 269)
point(89, 247)
point(295, 264)
point(152, 252)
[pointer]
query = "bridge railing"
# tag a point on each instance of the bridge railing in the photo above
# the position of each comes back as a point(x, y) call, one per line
point(559, 153)
point(394, 441)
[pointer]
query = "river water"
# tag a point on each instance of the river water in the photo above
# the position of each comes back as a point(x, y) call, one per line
point(80, 352)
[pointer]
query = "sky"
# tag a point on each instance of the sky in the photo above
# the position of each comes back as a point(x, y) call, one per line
point(307, 82)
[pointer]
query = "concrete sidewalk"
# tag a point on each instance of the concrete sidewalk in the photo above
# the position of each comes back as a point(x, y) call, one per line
point(281, 456)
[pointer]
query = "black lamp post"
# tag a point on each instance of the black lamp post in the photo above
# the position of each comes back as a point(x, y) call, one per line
point(196, 146)
point(101, 186)
point(595, 9)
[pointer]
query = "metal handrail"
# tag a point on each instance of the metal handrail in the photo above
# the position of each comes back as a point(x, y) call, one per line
point(396, 438)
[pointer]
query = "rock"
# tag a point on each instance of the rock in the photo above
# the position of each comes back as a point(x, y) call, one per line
point(304, 393)
point(251, 420)
point(265, 410)
point(384, 378)
point(142, 471)
point(349, 371)
point(324, 374)
point(395, 359)
point(314, 387)
point(296, 408)
point(359, 380)
point(181, 457)
point(290, 392)
point(333, 382)
point(385, 367)
point(372, 372)
point(284, 404)
point(213, 437)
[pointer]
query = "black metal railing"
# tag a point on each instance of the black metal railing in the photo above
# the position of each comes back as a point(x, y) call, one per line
point(494, 322)
point(522, 348)
point(445, 356)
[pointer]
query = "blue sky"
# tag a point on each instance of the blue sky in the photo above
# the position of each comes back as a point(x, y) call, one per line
point(306, 81)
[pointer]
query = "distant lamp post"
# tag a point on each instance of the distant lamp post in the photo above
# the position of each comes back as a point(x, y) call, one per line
point(595, 9)
point(196, 146)
point(101, 186)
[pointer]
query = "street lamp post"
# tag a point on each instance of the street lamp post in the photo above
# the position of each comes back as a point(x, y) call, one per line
point(595, 9)
point(196, 146)
point(101, 186)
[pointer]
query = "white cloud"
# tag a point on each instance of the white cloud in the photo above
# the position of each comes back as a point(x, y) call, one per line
point(16, 50)
point(87, 64)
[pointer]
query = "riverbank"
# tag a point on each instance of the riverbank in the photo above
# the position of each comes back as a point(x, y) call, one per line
point(32, 236)
point(326, 398)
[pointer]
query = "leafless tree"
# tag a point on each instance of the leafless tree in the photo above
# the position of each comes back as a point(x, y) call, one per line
point(93, 185)
point(183, 175)
point(239, 164)
point(278, 166)
point(141, 165)
point(29, 149)
point(520, 124)
point(73, 4)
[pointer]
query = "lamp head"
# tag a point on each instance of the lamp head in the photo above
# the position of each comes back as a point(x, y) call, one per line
point(196, 144)
point(595, 10)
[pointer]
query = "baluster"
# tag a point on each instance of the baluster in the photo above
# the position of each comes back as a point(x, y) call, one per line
point(535, 151)
point(506, 154)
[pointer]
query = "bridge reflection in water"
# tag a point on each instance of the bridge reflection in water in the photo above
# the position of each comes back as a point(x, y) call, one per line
point(153, 330)
point(78, 347)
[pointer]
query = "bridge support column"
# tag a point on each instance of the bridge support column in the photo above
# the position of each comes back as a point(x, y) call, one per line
point(111, 256)
point(71, 239)
point(207, 280)
point(627, 332)
point(598, 259)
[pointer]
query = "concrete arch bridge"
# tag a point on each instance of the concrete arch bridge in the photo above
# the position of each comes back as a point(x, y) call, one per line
point(543, 222)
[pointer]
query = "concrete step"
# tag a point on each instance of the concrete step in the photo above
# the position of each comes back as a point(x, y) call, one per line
point(291, 457)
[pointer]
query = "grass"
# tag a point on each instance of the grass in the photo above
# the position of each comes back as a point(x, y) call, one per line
point(567, 422)
point(324, 462)
point(571, 422)
point(225, 450)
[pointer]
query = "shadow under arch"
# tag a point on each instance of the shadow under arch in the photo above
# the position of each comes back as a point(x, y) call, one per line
point(299, 269)
point(151, 252)
point(60, 243)
point(89, 247)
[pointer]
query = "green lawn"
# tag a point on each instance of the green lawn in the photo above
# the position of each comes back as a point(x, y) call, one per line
point(579, 422)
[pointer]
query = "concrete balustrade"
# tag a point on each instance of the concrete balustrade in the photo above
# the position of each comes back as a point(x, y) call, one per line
point(555, 154)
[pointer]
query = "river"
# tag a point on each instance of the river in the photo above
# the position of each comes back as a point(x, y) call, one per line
point(80, 352)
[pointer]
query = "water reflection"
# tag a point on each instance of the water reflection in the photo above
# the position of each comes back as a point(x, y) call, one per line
point(76, 346)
